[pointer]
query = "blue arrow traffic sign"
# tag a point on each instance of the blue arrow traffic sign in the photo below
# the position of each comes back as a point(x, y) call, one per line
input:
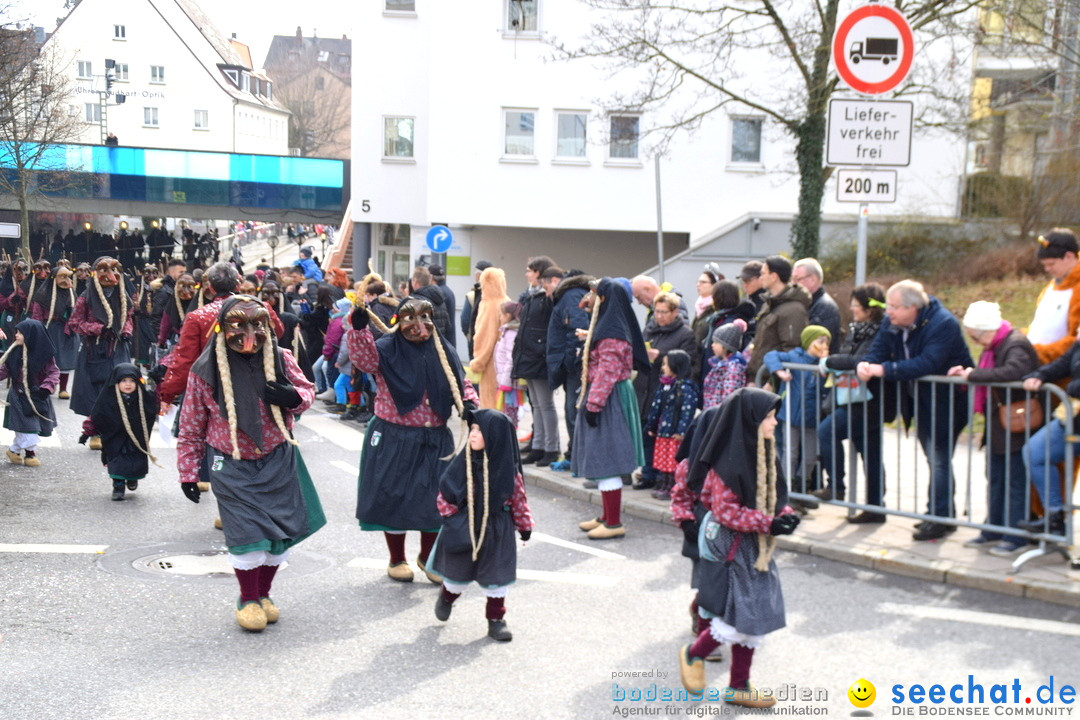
point(439, 238)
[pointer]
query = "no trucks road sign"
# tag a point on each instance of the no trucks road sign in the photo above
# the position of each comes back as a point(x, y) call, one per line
point(872, 49)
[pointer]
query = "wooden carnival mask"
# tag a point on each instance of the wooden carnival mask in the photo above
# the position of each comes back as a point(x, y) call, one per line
point(108, 272)
point(18, 271)
point(416, 320)
point(149, 273)
point(64, 278)
point(185, 287)
point(246, 327)
point(270, 293)
point(82, 271)
point(41, 269)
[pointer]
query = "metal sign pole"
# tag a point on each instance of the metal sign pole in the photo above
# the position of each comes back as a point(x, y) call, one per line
point(659, 224)
point(860, 247)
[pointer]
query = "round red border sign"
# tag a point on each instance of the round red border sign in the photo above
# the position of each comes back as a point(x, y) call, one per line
point(839, 52)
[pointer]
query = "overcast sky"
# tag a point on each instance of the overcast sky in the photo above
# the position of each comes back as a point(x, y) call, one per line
point(255, 22)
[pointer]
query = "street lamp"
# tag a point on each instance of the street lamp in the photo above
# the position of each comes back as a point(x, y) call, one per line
point(88, 226)
point(123, 225)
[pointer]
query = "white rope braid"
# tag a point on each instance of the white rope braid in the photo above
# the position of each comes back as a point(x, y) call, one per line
point(477, 543)
point(269, 353)
point(104, 301)
point(127, 422)
point(220, 353)
point(766, 496)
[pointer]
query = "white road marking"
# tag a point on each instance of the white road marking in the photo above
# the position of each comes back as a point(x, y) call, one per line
point(337, 432)
point(353, 470)
point(39, 548)
point(552, 540)
point(567, 578)
point(976, 617)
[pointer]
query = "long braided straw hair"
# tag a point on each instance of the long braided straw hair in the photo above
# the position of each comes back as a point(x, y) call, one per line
point(766, 495)
point(270, 371)
point(142, 419)
point(587, 348)
point(179, 305)
point(477, 541)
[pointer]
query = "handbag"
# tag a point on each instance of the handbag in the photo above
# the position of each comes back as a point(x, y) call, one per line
point(849, 390)
point(1026, 414)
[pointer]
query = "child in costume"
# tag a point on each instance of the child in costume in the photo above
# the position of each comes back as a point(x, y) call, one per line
point(482, 501)
point(727, 368)
point(239, 404)
point(510, 397)
point(670, 414)
point(29, 367)
point(746, 495)
point(123, 417)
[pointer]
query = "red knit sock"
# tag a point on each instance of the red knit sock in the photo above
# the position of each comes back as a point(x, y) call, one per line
point(266, 579)
point(741, 657)
point(354, 398)
point(427, 541)
point(449, 597)
point(249, 584)
point(611, 500)
point(396, 543)
point(496, 608)
point(704, 645)
point(63, 382)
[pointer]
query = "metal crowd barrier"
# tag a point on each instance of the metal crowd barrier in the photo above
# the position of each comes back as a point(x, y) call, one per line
point(900, 471)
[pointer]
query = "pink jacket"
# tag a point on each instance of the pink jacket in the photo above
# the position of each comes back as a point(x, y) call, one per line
point(504, 354)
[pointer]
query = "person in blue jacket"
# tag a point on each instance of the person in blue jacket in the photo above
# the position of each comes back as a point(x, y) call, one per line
point(921, 337)
point(563, 344)
point(310, 268)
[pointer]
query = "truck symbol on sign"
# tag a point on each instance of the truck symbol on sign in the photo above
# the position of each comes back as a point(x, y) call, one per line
point(883, 49)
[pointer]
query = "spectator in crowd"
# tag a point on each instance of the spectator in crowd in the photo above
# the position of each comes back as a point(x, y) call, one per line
point(438, 278)
point(727, 307)
point(823, 309)
point(563, 343)
point(530, 363)
point(1007, 356)
point(1054, 328)
point(750, 275)
point(645, 290)
point(510, 397)
point(703, 304)
point(423, 287)
point(726, 366)
point(469, 307)
point(309, 266)
point(921, 337)
point(487, 334)
point(783, 316)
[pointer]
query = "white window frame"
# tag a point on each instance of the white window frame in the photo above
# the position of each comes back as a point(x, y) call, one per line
point(560, 159)
point(509, 31)
point(120, 72)
point(746, 165)
point(157, 74)
point(150, 117)
point(610, 159)
point(411, 158)
point(398, 11)
point(120, 33)
point(92, 113)
point(205, 117)
point(85, 69)
point(506, 155)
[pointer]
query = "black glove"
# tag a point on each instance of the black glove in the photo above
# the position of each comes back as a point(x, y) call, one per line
point(282, 394)
point(191, 491)
point(524, 535)
point(468, 412)
point(158, 373)
point(689, 531)
point(359, 318)
point(592, 417)
point(83, 439)
point(784, 524)
point(40, 393)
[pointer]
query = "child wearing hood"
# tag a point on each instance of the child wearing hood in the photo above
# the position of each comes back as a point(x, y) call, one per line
point(123, 417)
point(335, 334)
point(29, 366)
point(510, 397)
point(482, 500)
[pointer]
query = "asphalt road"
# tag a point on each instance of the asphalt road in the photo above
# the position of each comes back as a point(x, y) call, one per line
point(85, 634)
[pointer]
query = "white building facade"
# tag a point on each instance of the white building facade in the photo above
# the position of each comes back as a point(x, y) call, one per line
point(184, 85)
point(470, 123)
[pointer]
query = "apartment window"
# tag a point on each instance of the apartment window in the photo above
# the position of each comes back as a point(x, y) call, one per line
point(745, 140)
point(624, 137)
point(520, 133)
point(120, 72)
point(202, 119)
point(324, 55)
point(86, 69)
point(119, 32)
point(92, 112)
point(320, 83)
point(522, 16)
point(570, 134)
point(157, 73)
point(150, 117)
point(398, 137)
point(400, 6)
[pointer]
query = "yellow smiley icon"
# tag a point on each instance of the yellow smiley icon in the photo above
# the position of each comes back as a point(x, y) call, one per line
point(862, 693)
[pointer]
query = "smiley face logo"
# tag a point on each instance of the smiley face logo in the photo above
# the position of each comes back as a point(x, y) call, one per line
point(862, 693)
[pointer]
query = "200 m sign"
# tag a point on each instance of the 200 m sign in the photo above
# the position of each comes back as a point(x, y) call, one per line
point(864, 185)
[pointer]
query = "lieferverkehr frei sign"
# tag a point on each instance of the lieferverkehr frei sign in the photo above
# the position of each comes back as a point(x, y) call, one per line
point(869, 133)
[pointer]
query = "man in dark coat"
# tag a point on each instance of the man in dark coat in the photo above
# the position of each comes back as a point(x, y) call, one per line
point(423, 287)
point(823, 309)
point(921, 337)
point(563, 344)
point(783, 316)
point(438, 278)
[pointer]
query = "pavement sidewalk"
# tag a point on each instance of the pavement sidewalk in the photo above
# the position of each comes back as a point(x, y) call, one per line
point(826, 533)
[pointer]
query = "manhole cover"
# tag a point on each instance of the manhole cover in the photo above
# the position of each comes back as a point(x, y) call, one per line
point(188, 562)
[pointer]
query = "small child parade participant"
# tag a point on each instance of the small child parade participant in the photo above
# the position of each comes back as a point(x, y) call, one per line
point(29, 366)
point(482, 501)
point(746, 494)
point(123, 417)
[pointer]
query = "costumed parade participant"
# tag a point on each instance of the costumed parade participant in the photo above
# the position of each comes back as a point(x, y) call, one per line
point(482, 500)
point(12, 297)
point(103, 319)
point(607, 435)
point(175, 311)
point(52, 306)
point(746, 494)
point(419, 382)
point(123, 417)
point(39, 275)
point(32, 374)
point(145, 335)
point(235, 424)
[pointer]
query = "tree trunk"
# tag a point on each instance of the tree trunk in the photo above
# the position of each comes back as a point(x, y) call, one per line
point(809, 154)
point(24, 214)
